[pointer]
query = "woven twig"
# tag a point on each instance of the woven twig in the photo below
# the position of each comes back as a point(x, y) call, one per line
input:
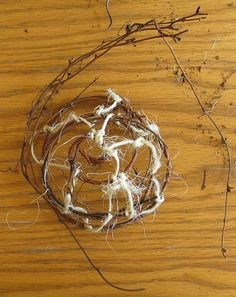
point(143, 193)
point(48, 128)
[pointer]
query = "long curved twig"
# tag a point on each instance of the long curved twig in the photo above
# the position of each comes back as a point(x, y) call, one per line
point(224, 141)
point(39, 118)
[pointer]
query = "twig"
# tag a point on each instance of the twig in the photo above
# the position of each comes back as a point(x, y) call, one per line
point(63, 221)
point(228, 187)
point(204, 179)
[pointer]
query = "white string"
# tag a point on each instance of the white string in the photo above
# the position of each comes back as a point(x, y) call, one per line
point(24, 212)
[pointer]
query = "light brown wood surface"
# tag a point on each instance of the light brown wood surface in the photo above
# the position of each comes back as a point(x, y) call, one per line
point(178, 253)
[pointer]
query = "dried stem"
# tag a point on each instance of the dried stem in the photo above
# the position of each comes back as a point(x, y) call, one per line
point(204, 180)
point(224, 141)
point(64, 222)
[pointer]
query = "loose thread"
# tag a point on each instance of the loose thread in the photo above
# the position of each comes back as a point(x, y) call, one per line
point(109, 14)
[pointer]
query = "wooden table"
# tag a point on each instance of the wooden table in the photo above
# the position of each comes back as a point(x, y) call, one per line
point(177, 253)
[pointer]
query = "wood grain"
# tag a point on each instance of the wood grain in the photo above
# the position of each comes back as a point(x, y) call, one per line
point(178, 253)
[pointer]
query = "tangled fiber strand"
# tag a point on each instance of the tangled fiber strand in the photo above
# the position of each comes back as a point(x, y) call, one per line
point(48, 133)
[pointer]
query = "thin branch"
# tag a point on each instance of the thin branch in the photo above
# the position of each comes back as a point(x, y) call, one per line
point(224, 141)
point(63, 221)
point(204, 180)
